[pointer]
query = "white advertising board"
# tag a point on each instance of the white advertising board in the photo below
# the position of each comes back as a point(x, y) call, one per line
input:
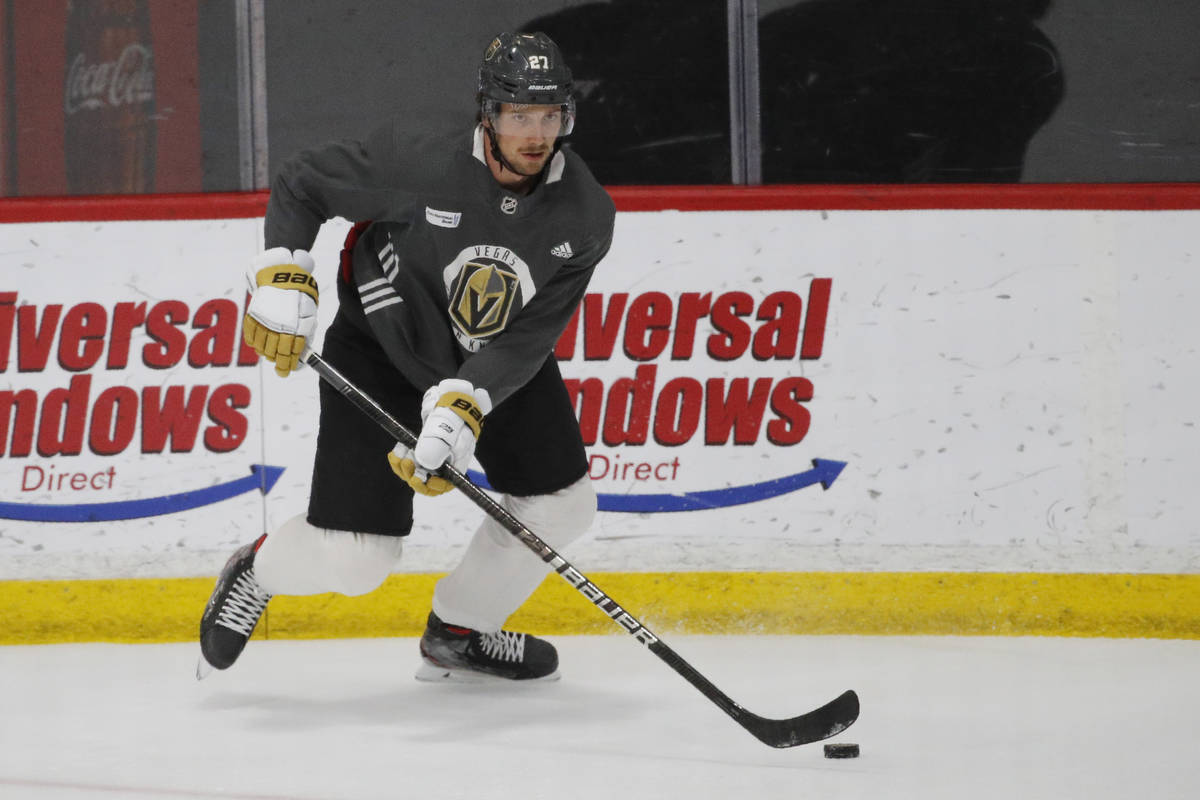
point(778, 390)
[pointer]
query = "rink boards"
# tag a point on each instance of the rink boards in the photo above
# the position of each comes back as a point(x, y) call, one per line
point(887, 412)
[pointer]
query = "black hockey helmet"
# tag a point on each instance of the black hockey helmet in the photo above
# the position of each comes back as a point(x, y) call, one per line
point(525, 69)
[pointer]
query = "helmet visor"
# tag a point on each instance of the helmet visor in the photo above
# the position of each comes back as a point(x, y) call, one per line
point(543, 122)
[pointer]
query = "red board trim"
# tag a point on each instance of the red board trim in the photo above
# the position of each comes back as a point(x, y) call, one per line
point(855, 197)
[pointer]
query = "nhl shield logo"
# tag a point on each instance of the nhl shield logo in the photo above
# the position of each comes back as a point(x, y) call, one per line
point(508, 205)
point(481, 300)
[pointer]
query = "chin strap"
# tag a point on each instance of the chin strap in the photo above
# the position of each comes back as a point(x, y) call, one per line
point(496, 154)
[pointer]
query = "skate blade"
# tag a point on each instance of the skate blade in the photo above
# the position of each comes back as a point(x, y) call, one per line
point(203, 668)
point(432, 673)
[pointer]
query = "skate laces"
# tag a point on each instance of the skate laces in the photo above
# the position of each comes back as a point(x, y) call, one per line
point(503, 645)
point(244, 604)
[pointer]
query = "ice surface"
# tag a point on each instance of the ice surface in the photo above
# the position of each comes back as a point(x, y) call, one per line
point(942, 718)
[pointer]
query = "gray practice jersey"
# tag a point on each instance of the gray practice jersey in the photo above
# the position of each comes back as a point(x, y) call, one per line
point(456, 277)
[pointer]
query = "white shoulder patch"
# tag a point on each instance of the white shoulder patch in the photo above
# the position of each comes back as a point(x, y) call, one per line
point(443, 219)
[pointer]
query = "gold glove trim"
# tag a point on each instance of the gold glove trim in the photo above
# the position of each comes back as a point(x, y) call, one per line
point(465, 406)
point(288, 276)
point(284, 350)
point(406, 468)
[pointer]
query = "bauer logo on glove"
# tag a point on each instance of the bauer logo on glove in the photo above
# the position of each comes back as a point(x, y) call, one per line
point(466, 407)
point(282, 275)
point(282, 316)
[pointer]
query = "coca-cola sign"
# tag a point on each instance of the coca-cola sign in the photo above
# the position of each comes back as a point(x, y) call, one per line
point(126, 81)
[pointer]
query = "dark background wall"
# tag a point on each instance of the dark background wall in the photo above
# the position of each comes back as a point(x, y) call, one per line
point(1131, 111)
point(915, 90)
point(895, 91)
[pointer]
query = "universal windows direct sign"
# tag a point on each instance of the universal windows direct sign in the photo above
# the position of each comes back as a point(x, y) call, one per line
point(973, 386)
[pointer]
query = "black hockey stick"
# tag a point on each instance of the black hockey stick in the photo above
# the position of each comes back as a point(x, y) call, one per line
point(828, 720)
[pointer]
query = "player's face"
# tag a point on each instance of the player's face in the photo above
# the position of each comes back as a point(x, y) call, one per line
point(526, 134)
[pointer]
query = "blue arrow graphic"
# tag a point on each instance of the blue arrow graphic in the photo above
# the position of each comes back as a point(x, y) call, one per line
point(261, 477)
point(824, 472)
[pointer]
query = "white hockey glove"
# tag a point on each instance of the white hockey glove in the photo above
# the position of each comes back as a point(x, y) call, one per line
point(453, 414)
point(282, 315)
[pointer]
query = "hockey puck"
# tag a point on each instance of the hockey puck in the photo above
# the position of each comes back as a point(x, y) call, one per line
point(841, 751)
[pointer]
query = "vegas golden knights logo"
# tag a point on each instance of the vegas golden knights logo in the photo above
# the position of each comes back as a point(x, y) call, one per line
point(482, 298)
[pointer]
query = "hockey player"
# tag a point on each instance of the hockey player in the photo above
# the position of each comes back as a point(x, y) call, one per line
point(469, 255)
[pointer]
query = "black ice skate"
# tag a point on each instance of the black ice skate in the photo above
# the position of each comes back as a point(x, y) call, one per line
point(233, 610)
point(451, 653)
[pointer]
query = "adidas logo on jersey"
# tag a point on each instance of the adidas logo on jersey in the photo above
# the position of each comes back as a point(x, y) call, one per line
point(562, 250)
